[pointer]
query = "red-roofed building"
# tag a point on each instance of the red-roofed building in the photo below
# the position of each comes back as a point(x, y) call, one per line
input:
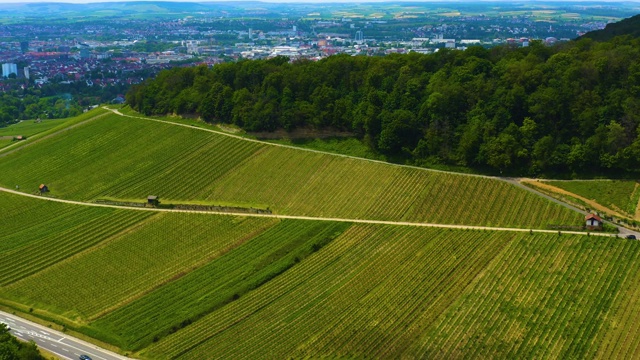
point(594, 222)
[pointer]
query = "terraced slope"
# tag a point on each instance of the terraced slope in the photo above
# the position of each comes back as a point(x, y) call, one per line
point(125, 158)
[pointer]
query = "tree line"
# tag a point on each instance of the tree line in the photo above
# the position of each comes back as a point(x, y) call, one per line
point(572, 109)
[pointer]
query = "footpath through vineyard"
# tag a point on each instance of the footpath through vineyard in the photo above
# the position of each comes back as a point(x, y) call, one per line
point(276, 216)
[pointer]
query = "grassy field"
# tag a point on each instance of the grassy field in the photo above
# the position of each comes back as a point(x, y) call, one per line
point(619, 195)
point(391, 292)
point(26, 128)
point(119, 157)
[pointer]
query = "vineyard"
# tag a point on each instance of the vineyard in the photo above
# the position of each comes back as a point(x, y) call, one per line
point(619, 195)
point(123, 158)
point(218, 283)
point(184, 285)
point(33, 130)
point(391, 292)
point(187, 285)
point(544, 298)
point(157, 251)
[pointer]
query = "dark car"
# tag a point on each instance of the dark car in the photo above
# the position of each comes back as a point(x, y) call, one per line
point(631, 237)
point(85, 357)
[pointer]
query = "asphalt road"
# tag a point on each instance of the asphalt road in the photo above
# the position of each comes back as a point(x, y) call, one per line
point(62, 345)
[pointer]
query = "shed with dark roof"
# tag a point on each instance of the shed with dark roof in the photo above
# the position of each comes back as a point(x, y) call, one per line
point(593, 222)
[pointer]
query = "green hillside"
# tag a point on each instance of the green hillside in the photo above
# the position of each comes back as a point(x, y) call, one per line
point(537, 111)
point(619, 195)
point(181, 285)
point(126, 158)
point(389, 292)
point(630, 26)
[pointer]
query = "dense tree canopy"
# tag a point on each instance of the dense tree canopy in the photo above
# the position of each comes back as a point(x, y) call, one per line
point(574, 108)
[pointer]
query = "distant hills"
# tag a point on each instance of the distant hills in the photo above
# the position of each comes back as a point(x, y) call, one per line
point(630, 26)
point(145, 8)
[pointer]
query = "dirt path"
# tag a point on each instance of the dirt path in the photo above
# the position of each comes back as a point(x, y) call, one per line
point(622, 231)
point(592, 204)
point(381, 222)
point(295, 217)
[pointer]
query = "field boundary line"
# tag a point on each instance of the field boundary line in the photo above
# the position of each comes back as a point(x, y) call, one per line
point(299, 217)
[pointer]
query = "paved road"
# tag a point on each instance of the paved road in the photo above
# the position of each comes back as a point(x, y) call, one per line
point(62, 345)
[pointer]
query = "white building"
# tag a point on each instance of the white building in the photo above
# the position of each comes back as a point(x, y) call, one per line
point(8, 69)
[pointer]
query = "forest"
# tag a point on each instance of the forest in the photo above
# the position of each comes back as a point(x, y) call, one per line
point(567, 110)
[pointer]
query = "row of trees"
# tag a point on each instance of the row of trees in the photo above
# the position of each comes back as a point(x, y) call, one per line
point(533, 110)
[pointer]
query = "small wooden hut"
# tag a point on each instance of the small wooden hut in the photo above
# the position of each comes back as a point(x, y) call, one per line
point(153, 200)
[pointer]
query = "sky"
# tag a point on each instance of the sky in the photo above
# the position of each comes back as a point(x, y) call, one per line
point(292, 1)
point(301, 1)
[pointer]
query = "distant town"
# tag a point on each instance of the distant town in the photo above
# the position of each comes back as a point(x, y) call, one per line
point(117, 46)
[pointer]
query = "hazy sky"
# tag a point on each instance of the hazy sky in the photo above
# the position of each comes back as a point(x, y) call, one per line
point(294, 1)
point(299, 1)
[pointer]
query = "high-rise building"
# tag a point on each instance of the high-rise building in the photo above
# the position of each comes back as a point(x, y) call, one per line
point(8, 69)
point(359, 37)
point(26, 72)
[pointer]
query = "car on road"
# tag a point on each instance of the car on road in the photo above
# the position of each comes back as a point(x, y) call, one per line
point(631, 237)
point(85, 357)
